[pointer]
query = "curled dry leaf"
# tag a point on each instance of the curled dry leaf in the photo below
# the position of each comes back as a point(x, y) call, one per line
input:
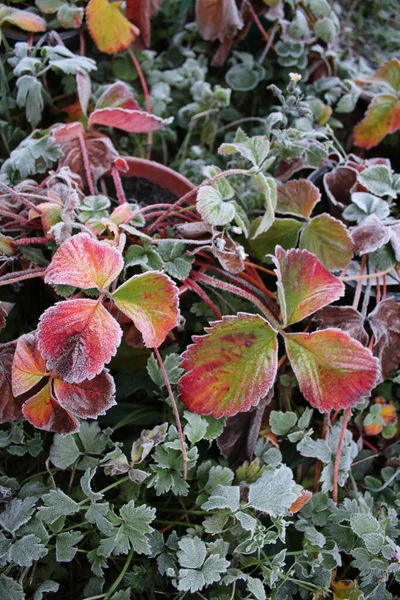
point(218, 19)
point(370, 235)
point(385, 325)
point(84, 262)
point(231, 368)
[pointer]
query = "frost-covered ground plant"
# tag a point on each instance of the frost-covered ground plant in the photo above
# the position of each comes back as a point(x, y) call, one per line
point(202, 393)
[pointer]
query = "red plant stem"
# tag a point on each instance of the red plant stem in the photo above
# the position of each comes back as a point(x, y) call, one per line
point(82, 43)
point(281, 361)
point(200, 292)
point(384, 288)
point(359, 282)
point(194, 191)
point(149, 207)
point(378, 291)
point(32, 240)
point(86, 164)
point(30, 274)
point(260, 268)
point(145, 89)
point(11, 215)
point(347, 414)
point(228, 287)
point(370, 446)
point(118, 185)
point(367, 275)
point(21, 198)
point(259, 26)
point(176, 413)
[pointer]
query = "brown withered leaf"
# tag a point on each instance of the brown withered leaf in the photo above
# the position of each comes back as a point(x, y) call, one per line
point(5, 308)
point(194, 230)
point(218, 19)
point(338, 184)
point(345, 318)
point(385, 325)
point(10, 408)
point(370, 235)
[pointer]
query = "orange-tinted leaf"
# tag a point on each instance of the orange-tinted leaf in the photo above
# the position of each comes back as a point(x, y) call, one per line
point(10, 409)
point(132, 121)
point(304, 285)
point(84, 262)
point(385, 325)
point(389, 414)
point(151, 301)
point(108, 27)
point(388, 75)
point(334, 371)
point(44, 412)
point(381, 118)
point(87, 399)
point(117, 95)
point(77, 337)
point(297, 197)
point(29, 366)
point(231, 368)
point(298, 504)
point(23, 19)
point(346, 590)
point(329, 240)
point(372, 428)
point(218, 19)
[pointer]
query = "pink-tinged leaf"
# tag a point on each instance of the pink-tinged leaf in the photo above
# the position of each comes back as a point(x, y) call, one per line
point(385, 325)
point(381, 118)
point(84, 86)
point(77, 337)
point(345, 318)
point(108, 27)
point(132, 121)
point(122, 214)
point(370, 235)
point(84, 262)
point(151, 301)
point(388, 75)
point(29, 366)
point(100, 150)
point(117, 95)
point(218, 19)
point(231, 368)
point(5, 308)
point(23, 19)
point(10, 408)
point(304, 285)
point(87, 399)
point(329, 240)
point(44, 412)
point(297, 197)
point(334, 371)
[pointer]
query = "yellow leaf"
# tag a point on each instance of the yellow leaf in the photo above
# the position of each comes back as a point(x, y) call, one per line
point(109, 28)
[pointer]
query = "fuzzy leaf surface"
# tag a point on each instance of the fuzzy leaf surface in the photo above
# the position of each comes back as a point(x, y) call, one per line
point(28, 366)
point(87, 399)
point(151, 301)
point(369, 235)
point(329, 240)
point(304, 284)
point(44, 412)
point(85, 263)
point(297, 197)
point(108, 27)
point(117, 95)
point(334, 371)
point(77, 337)
point(231, 368)
point(345, 318)
point(273, 493)
point(132, 121)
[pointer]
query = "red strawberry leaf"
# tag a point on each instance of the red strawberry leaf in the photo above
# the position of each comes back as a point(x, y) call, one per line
point(87, 399)
point(84, 262)
point(231, 368)
point(77, 337)
point(151, 301)
point(132, 121)
point(304, 285)
point(108, 27)
point(117, 95)
point(385, 325)
point(44, 412)
point(10, 409)
point(334, 371)
point(345, 318)
point(29, 366)
point(297, 197)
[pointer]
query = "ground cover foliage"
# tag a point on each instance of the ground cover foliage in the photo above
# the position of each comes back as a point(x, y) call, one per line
point(199, 390)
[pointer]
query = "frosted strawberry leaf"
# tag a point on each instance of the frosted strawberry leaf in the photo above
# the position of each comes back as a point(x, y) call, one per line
point(381, 118)
point(23, 19)
point(345, 318)
point(87, 399)
point(385, 325)
point(329, 240)
point(84, 262)
point(297, 197)
point(109, 28)
point(151, 301)
point(132, 121)
point(77, 337)
point(117, 95)
point(231, 368)
point(304, 285)
point(43, 412)
point(334, 371)
point(29, 366)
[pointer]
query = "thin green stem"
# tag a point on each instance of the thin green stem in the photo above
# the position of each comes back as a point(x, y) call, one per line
point(120, 576)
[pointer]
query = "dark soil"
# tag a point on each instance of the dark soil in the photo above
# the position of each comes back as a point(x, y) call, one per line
point(143, 191)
